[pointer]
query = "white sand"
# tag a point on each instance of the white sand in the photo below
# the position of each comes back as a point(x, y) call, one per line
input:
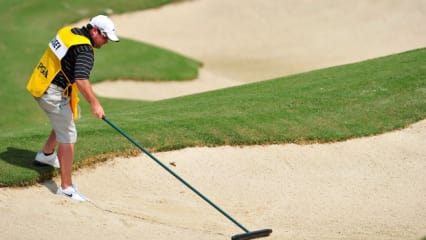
point(368, 188)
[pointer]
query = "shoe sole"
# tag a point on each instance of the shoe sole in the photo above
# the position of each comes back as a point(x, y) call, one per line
point(41, 164)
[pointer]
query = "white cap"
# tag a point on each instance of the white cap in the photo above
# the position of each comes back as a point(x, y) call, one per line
point(105, 25)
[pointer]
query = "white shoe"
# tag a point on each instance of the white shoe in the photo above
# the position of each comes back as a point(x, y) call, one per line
point(72, 192)
point(51, 160)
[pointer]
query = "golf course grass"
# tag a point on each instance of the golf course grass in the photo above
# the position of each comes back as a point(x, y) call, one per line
point(332, 104)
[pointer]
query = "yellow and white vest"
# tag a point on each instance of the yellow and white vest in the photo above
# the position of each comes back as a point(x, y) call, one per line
point(50, 65)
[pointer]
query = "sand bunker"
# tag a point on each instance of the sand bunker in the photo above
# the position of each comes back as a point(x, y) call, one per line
point(369, 188)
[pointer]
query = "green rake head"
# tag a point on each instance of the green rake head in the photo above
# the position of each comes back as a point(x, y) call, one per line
point(252, 235)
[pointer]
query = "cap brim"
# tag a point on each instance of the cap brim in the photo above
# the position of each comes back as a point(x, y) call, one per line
point(112, 37)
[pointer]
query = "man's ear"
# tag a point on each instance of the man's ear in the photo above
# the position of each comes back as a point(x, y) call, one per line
point(93, 31)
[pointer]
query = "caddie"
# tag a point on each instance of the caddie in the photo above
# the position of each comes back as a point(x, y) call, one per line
point(63, 71)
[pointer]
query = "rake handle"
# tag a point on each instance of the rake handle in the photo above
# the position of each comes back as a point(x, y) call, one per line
point(176, 176)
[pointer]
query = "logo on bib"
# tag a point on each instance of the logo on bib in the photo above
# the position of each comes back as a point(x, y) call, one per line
point(43, 69)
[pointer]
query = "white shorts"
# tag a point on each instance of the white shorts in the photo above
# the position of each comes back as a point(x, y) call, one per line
point(58, 110)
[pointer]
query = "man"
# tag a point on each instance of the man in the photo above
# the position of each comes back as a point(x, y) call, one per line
point(63, 70)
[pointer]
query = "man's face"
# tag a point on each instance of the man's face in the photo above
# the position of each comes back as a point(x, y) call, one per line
point(99, 38)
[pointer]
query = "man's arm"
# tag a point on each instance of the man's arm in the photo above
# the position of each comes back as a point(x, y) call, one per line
point(86, 90)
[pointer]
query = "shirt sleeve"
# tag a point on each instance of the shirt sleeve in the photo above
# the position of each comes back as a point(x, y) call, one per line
point(83, 63)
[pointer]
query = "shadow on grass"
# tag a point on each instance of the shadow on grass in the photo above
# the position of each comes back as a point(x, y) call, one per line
point(23, 159)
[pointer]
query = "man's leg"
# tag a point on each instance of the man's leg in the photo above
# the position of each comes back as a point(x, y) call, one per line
point(50, 145)
point(47, 155)
point(66, 157)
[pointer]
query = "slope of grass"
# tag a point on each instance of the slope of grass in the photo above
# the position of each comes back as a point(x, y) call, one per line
point(332, 104)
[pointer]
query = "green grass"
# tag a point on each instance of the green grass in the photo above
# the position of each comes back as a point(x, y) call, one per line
point(27, 26)
point(326, 105)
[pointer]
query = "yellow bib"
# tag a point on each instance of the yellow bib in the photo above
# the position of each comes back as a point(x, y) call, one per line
point(50, 65)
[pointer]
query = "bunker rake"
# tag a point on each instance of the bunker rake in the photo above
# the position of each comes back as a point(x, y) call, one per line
point(243, 236)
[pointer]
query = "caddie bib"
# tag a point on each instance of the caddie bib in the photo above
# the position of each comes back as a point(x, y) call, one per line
point(50, 65)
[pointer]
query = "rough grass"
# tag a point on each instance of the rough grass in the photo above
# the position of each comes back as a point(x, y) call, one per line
point(327, 105)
